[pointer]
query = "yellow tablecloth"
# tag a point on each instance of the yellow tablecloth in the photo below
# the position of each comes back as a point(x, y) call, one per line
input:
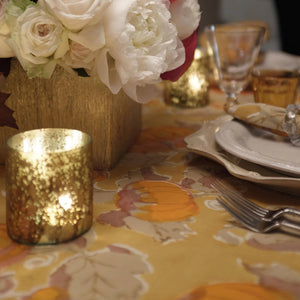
point(158, 232)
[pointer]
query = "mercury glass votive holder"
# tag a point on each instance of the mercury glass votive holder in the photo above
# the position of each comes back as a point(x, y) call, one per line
point(49, 180)
point(191, 90)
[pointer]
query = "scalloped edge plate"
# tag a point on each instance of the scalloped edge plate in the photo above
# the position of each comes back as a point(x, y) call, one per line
point(203, 142)
point(260, 147)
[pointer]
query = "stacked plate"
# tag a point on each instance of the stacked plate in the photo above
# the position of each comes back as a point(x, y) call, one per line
point(249, 153)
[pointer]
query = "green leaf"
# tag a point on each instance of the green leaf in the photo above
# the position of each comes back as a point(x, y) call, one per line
point(23, 3)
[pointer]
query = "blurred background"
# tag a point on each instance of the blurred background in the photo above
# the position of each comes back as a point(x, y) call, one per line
point(281, 16)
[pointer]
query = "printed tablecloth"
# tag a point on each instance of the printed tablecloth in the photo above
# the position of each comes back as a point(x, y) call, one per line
point(158, 231)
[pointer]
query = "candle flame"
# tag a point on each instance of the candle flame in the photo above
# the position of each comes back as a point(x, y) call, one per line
point(195, 82)
point(65, 201)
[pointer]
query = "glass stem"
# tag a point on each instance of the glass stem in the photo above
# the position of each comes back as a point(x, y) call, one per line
point(231, 99)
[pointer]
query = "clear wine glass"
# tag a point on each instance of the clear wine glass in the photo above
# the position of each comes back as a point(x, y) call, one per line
point(234, 49)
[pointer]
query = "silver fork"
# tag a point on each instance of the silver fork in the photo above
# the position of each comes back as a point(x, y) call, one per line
point(253, 220)
point(290, 213)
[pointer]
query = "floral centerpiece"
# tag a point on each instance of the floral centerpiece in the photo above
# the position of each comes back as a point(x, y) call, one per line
point(78, 64)
point(127, 44)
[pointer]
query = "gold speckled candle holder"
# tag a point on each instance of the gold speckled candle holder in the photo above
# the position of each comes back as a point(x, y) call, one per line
point(49, 196)
point(191, 90)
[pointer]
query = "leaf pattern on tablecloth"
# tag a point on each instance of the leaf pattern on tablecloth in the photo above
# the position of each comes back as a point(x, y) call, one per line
point(10, 252)
point(213, 204)
point(233, 234)
point(277, 276)
point(201, 173)
point(141, 168)
point(274, 275)
point(7, 283)
point(166, 232)
point(157, 208)
point(40, 261)
point(275, 242)
point(161, 139)
point(226, 236)
point(34, 259)
point(197, 181)
point(108, 274)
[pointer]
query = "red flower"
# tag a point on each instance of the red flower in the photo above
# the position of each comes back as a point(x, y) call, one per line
point(190, 45)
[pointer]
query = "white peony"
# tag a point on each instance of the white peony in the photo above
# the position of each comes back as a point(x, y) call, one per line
point(140, 45)
point(38, 39)
point(76, 14)
point(186, 16)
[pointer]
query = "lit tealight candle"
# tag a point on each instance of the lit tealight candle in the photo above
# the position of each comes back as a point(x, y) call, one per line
point(191, 89)
point(49, 197)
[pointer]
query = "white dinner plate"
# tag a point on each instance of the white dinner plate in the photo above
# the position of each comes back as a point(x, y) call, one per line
point(203, 142)
point(260, 147)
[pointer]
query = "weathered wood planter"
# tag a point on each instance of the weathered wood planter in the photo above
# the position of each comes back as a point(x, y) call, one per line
point(70, 101)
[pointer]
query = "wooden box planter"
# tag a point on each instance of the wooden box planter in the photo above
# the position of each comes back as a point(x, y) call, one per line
point(70, 101)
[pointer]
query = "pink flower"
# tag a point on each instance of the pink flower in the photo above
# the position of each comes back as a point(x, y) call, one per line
point(79, 56)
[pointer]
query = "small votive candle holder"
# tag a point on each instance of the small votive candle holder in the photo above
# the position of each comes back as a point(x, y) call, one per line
point(49, 186)
point(191, 90)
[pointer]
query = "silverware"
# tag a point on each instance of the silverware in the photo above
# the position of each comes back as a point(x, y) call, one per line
point(290, 213)
point(251, 218)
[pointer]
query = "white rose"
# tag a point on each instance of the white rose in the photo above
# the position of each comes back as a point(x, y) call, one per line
point(76, 14)
point(79, 57)
point(186, 16)
point(141, 45)
point(92, 37)
point(83, 47)
point(38, 39)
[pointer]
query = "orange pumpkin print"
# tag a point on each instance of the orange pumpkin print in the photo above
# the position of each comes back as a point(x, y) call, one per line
point(236, 291)
point(50, 294)
point(161, 201)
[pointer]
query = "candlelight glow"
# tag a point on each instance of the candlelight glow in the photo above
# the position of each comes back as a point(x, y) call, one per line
point(191, 90)
point(197, 54)
point(65, 201)
point(196, 82)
